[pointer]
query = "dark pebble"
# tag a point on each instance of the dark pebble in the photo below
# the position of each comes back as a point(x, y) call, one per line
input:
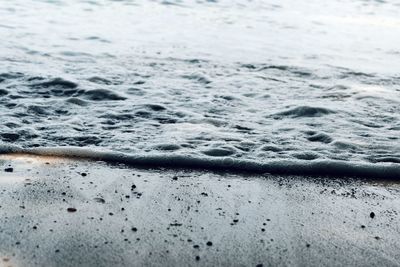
point(372, 215)
point(71, 210)
point(209, 243)
point(8, 169)
point(99, 200)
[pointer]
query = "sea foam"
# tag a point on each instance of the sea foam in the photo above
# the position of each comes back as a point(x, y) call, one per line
point(332, 168)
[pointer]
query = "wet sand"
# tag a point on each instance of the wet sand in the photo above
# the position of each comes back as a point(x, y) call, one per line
point(65, 212)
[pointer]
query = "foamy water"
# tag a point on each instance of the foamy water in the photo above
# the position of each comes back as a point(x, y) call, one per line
point(250, 81)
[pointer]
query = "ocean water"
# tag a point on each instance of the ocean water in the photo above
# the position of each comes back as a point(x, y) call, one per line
point(223, 83)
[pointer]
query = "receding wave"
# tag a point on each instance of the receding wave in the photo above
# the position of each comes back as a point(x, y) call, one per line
point(242, 103)
point(332, 168)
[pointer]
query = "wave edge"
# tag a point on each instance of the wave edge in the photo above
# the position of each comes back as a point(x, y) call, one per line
point(331, 168)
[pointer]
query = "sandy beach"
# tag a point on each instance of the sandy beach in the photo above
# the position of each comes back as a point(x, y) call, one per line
point(69, 212)
point(199, 133)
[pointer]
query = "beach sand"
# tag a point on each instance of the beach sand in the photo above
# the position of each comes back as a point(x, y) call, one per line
point(70, 212)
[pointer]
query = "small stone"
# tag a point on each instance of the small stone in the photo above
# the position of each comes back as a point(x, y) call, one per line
point(99, 200)
point(372, 215)
point(9, 169)
point(71, 209)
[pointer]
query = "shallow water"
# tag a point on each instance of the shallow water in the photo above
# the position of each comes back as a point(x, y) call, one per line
point(251, 80)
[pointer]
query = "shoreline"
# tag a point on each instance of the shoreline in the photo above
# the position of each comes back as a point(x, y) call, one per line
point(328, 168)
